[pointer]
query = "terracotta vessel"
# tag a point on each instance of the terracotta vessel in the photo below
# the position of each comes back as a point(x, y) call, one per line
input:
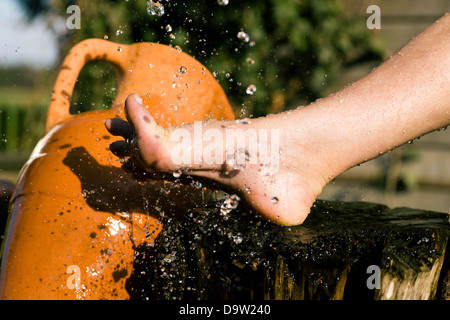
point(76, 217)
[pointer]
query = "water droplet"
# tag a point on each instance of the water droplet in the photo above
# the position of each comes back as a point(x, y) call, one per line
point(238, 239)
point(243, 36)
point(197, 184)
point(119, 32)
point(169, 28)
point(183, 69)
point(222, 2)
point(244, 121)
point(215, 74)
point(105, 37)
point(119, 48)
point(250, 60)
point(178, 48)
point(177, 174)
point(229, 204)
point(155, 8)
point(274, 200)
point(251, 89)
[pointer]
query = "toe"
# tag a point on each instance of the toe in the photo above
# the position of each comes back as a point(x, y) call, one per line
point(119, 127)
point(119, 148)
point(137, 115)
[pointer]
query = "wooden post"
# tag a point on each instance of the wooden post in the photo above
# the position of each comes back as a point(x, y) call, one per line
point(206, 255)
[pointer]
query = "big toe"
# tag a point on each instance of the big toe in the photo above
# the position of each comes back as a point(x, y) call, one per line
point(151, 145)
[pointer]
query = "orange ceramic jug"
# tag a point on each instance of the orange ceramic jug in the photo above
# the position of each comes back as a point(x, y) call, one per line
point(76, 217)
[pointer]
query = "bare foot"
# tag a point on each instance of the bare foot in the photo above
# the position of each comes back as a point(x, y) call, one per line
point(274, 172)
point(403, 98)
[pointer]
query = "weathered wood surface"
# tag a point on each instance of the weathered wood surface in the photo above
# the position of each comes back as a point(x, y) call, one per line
point(205, 255)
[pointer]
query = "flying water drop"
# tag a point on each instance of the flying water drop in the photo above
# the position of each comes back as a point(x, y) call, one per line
point(243, 36)
point(183, 69)
point(251, 89)
point(177, 174)
point(155, 8)
point(229, 204)
point(250, 60)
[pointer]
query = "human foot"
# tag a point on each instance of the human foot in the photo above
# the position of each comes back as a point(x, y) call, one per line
point(402, 99)
point(274, 172)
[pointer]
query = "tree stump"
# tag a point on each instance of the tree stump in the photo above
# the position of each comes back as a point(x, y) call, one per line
point(335, 254)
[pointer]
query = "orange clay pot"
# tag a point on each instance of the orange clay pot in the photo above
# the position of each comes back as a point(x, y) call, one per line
point(76, 216)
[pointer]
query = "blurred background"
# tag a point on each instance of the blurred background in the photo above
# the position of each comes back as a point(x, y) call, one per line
point(292, 51)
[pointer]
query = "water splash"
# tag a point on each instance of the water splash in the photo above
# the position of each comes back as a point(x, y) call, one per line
point(155, 8)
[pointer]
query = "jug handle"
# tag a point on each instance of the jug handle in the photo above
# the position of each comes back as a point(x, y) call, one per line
point(79, 55)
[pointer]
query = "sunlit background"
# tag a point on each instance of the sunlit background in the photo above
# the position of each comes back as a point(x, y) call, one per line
point(299, 51)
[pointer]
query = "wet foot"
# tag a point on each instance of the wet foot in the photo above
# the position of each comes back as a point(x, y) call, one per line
point(400, 100)
point(274, 171)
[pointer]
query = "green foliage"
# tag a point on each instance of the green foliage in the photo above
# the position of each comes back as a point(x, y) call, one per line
point(20, 126)
point(297, 48)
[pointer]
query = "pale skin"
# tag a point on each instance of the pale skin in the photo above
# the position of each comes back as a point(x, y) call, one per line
point(405, 97)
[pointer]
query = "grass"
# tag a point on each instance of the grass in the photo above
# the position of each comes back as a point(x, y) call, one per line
point(23, 111)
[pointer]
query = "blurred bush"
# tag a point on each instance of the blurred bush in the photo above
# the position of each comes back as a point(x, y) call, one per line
point(296, 48)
